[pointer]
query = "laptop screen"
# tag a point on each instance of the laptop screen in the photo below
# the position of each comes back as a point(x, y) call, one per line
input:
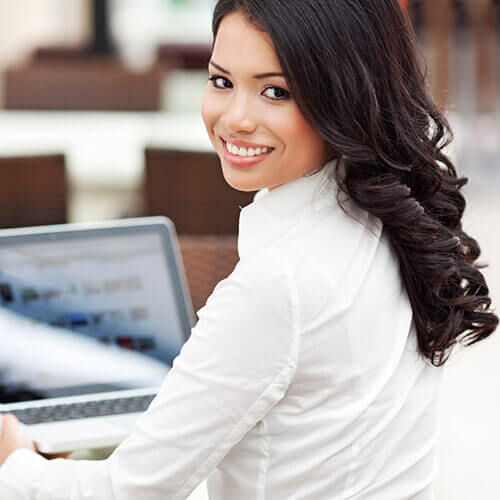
point(104, 308)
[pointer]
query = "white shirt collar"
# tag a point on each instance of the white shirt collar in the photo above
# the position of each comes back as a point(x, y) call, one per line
point(273, 213)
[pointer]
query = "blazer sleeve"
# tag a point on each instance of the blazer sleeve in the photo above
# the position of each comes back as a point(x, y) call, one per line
point(236, 365)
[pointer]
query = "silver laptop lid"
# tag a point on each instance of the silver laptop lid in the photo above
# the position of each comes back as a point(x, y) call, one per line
point(115, 290)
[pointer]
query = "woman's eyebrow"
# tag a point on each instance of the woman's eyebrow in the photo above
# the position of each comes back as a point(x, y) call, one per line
point(261, 75)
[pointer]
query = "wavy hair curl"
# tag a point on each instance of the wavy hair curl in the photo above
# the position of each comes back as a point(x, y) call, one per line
point(355, 70)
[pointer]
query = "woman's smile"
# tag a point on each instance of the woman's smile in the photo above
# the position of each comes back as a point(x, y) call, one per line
point(241, 156)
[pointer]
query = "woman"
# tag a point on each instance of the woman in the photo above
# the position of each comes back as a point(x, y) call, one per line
point(313, 371)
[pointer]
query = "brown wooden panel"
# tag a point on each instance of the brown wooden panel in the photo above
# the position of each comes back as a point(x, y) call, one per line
point(189, 187)
point(33, 191)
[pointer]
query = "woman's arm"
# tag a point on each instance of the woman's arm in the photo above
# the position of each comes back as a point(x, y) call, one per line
point(236, 365)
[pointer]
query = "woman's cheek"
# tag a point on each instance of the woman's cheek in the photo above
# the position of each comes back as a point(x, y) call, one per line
point(210, 115)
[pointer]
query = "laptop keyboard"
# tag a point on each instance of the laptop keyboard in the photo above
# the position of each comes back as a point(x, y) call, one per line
point(86, 409)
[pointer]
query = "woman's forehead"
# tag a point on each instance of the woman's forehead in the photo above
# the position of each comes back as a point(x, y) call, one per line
point(239, 40)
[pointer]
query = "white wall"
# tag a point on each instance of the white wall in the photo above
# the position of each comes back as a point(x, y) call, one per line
point(25, 24)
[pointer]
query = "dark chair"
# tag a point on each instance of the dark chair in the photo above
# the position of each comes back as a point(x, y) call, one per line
point(207, 260)
point(33, 191)
point(189, 187)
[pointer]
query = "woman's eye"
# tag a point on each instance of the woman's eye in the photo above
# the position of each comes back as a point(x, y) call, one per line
point(279, 93)
point(223, 83)
point(213, 79)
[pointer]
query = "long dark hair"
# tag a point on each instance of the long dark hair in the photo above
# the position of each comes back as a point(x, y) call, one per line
point(354, 70)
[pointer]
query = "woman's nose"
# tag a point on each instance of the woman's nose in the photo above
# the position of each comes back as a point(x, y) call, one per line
point(239, 114)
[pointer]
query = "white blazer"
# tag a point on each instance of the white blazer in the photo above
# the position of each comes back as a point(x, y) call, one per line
point(301, 379)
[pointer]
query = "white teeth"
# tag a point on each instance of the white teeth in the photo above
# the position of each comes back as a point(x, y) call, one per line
point(235, 150)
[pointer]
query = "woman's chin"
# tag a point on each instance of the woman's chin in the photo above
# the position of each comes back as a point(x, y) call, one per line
point(239, 179)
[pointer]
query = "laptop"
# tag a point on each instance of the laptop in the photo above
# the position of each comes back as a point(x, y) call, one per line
point(92, 316)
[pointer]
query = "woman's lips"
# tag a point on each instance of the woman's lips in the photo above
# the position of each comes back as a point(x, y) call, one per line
point(243, 161)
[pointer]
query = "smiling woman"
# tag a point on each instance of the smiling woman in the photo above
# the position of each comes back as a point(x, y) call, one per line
point(248, 105)
point(314, 369)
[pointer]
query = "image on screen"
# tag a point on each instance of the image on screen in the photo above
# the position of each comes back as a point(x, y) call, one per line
point(115, 290)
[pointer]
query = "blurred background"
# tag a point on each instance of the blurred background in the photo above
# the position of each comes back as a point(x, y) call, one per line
point(100, 119)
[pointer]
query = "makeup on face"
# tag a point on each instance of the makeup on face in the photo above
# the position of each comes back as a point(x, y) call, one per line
point(252, 120)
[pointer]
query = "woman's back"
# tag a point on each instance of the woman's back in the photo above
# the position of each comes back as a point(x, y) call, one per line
point(359, 418)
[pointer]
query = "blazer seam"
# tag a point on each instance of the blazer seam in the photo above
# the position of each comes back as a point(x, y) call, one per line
point(264, 469)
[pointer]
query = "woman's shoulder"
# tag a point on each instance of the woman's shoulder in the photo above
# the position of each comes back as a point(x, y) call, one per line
point(267, 269)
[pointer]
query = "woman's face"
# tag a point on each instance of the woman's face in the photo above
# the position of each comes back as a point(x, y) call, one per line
point(248, 104)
